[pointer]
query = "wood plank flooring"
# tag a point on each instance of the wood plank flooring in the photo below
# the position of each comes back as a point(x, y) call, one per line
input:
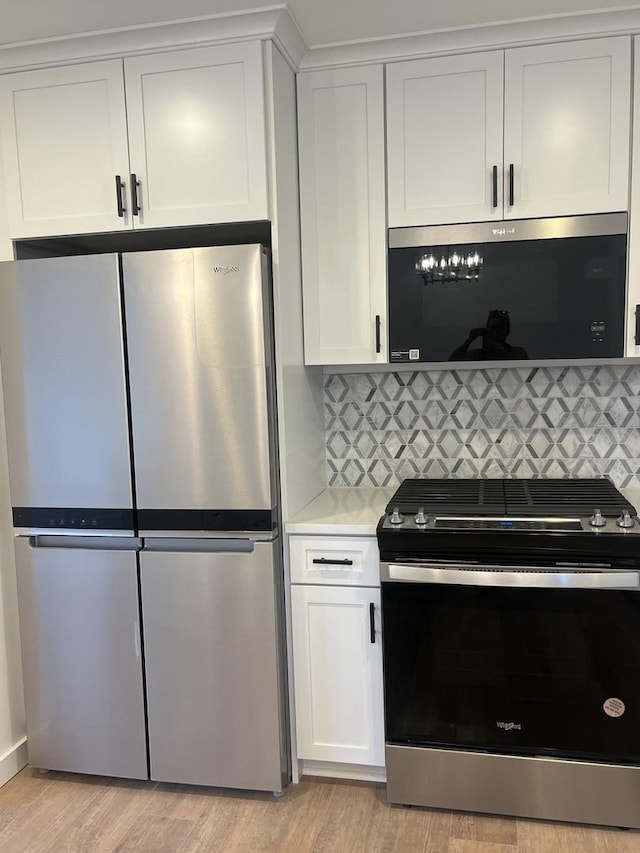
point(63, 813)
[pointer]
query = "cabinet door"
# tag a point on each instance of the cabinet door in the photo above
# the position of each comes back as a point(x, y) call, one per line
point(444, 139)
point(341, 140)
point(567, 114)
point(197, 135)
point(64, 139)
point(338, 674)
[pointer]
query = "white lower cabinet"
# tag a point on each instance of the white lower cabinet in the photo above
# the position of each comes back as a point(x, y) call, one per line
point(337, 654)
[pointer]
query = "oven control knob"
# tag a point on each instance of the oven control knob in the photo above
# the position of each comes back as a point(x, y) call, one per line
point(597, 519)
point(396, 517)
point(421, 518)
point(625, 521)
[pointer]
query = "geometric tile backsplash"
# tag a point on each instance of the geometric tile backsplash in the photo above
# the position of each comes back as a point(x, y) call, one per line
point(497, 422)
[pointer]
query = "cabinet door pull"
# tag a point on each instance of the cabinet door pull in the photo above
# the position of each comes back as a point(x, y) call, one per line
point(378, 344)
point(322, 561)
point(119, 192)
point(511, 184)
point(135, 183)
point(494, 187)
point(637, 325)
point(372, 621)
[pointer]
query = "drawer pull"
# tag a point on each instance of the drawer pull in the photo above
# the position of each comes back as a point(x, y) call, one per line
point(322, 561)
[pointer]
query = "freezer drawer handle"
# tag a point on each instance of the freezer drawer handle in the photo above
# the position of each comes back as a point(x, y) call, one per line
point(322, 561)
point(135, 183)
point(87, 543)
point(119, 196)
point(372, 621)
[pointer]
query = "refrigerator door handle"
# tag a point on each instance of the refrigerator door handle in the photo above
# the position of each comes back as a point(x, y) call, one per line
point(87, 543)
point(136, 639)
point(200, 546)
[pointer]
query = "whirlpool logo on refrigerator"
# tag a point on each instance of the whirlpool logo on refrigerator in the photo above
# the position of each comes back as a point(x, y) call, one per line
point(226, 269)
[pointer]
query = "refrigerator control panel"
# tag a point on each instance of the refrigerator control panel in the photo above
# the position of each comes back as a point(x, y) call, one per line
point(70, 518)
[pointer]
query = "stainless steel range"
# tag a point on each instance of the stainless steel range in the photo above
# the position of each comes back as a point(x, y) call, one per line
point(512, 648)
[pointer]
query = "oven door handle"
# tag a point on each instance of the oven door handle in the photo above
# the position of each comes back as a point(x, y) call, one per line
point(528, 578)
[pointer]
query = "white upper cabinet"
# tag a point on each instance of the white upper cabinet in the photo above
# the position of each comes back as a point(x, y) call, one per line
point(566, 123)
point(566, 131)
point(342, 201)
point(190, 147)
point(64, 138)
point(444, 139)
point(197, 135)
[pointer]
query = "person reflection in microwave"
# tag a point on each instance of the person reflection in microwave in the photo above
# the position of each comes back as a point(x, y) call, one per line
point(494, 341)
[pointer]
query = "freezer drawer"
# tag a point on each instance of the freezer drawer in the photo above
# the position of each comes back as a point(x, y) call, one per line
point(214, 679)
point(80, 631)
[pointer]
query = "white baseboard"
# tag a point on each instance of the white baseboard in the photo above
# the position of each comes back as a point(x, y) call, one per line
point(336, 770)
point(13, 761)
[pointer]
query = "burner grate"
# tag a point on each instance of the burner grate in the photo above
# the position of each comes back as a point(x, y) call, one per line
point(572, 497)
point(473, 497)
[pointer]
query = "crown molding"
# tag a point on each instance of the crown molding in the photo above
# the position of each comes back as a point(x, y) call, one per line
point(476, 38)
point(271, 23)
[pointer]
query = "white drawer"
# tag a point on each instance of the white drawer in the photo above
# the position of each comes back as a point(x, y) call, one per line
point(350, 561)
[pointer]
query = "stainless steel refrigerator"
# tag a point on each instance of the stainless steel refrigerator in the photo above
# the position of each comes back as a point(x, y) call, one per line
point(140, 406)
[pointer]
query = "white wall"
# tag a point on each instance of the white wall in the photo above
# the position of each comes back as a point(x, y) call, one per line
point(13, 755)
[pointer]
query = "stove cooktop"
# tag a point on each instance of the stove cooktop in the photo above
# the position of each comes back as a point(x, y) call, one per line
point(542, 498)
point(551, 519)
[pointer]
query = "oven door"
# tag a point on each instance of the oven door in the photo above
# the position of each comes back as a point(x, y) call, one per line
point(526, 661)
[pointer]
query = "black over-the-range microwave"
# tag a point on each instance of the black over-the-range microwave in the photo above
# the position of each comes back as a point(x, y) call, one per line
point(519, 289)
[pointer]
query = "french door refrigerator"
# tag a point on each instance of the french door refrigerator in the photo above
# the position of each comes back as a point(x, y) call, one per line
point(139, 400)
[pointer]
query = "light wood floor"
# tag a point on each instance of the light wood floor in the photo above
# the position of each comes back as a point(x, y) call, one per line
point(61, 813)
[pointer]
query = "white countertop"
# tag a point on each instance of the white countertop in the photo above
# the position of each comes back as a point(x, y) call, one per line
point(342, 511)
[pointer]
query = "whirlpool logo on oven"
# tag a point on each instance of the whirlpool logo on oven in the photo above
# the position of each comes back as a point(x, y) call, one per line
point(510, 727)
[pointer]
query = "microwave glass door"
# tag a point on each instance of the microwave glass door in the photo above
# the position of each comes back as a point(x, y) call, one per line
point(513, 300)
point(522, 671)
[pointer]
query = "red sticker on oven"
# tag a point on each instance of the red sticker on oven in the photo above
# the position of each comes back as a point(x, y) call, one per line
point(614, 707)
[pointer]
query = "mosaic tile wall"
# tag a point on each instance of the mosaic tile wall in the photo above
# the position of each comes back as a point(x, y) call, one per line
point(511, 422)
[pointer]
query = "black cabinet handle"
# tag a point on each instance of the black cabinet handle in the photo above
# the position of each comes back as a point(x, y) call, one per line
point(378, 344)
point(511, 183)
point(372, 621)
point(135, 183)
point(322, 561)
point(494, 186)
point(119, 191)
point(637, 325)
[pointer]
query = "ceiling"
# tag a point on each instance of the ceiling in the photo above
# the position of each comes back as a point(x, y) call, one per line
point(321, 21)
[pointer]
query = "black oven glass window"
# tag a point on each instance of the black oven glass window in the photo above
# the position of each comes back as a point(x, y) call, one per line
point(524, 671)
point(561, 298)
